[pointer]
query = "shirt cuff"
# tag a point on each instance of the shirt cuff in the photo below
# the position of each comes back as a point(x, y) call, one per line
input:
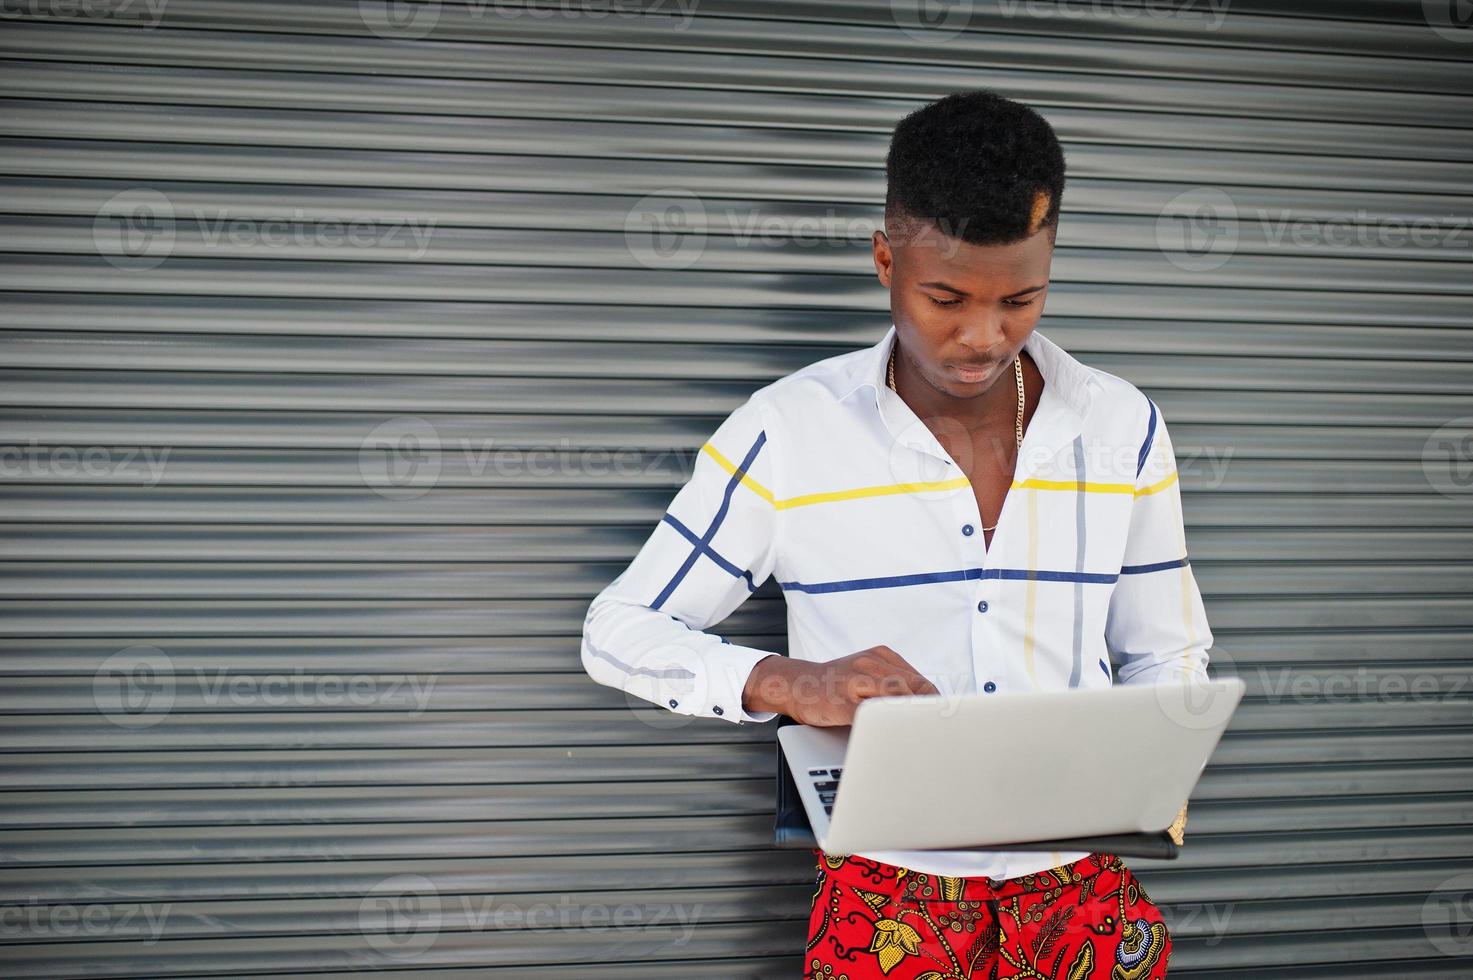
point(727, 681)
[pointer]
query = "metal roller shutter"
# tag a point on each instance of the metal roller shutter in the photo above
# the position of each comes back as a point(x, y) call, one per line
point(299, 528)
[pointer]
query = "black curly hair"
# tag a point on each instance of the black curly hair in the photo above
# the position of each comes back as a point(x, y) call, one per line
point(980, 167)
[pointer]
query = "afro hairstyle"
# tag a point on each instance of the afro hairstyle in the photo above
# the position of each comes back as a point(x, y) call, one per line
point(980, 167)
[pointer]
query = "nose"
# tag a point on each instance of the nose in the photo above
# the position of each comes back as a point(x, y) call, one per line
point(984, 332)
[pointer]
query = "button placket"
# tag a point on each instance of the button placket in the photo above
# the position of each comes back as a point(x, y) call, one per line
point(979, 625)
point(965, 507)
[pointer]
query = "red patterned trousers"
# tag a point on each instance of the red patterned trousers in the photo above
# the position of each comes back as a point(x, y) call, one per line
point(1089, 920)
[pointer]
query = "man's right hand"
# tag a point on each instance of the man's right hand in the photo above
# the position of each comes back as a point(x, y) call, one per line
point(826, 694)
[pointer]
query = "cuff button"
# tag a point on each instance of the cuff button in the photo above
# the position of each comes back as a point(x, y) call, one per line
point(674, 703)
point(718, 710)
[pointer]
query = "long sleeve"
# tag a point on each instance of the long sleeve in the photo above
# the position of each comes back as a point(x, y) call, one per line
point(716, 543)
point(1156, 627)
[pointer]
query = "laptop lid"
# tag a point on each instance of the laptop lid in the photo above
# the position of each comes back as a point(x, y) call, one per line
point(940, 771)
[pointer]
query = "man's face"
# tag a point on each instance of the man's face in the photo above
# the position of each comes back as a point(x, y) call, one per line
point(963, 311)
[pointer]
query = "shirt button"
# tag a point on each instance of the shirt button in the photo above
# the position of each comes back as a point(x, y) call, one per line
point(967, 529)
point(989, 687)
point(982, 606)
point(718, 710)
point(674, 703)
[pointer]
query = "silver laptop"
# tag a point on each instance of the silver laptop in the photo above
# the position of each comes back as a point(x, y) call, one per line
point(1040, 765)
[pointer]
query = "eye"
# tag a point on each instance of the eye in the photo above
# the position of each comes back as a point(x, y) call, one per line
point(1024, 303)
point(943, 302)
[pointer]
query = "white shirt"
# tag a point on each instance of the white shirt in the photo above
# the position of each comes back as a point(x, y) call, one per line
point(826, 480)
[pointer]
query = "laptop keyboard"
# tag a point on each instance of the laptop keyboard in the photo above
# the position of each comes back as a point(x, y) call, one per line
point(826, 781)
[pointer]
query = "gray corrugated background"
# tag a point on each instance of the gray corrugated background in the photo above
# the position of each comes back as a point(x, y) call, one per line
point(265, 830)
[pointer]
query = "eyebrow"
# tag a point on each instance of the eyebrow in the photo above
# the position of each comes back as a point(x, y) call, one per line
point(937, 284)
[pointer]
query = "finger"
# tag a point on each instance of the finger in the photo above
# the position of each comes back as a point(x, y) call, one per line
point(919, 683)
point(899, 677)
point(860, 684)
point(924, 686)
point(915, 681)
point(886, 684)
point(883, 683)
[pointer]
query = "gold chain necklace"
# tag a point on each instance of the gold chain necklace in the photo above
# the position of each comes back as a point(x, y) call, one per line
point(1018, 425)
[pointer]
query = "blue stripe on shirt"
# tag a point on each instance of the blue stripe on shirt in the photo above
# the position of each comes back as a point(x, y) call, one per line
point(1140, 462)
point(703, 544)
point(966, 574)
point(1159, 566)
point(709, 551)
point(956, 575)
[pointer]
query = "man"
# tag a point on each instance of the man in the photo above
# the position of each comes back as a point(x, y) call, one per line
point(963, 506)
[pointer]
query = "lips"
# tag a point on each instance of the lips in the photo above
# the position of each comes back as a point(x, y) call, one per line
point(974, 371)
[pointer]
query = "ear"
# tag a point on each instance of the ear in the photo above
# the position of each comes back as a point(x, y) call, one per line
point(884, 258)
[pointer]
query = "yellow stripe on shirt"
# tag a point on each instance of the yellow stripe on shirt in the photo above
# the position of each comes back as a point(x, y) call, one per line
point(803, 500)
point(885, 489)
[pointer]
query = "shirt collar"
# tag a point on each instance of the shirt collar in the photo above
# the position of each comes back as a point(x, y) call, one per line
point(1069, 390)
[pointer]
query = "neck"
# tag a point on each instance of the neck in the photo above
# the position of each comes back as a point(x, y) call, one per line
point(997, 407)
